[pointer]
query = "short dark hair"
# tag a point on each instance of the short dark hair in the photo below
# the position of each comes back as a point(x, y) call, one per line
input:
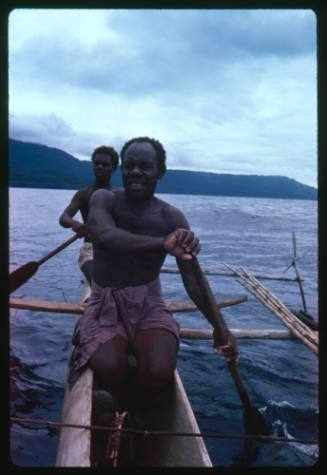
point(160, 151)
point(104, 150)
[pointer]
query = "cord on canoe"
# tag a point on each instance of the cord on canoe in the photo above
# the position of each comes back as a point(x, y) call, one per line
point(212, 434)
point(113, 443)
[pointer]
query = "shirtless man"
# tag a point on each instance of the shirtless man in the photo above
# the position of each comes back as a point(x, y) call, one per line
point(105, 162)
point(132, 231)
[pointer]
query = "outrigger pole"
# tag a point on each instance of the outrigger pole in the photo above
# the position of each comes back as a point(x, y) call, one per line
point(299, 329)
point(217, 271)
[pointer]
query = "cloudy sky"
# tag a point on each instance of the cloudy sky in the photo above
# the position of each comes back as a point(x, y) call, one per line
point(227, 91)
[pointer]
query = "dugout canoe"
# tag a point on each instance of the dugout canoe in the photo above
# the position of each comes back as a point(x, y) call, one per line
point(76, 445)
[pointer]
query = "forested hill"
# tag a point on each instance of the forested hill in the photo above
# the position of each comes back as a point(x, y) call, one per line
point(38, 166)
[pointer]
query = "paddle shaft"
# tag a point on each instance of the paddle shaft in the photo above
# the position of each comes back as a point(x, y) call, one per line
point(214, 315)
point(239, 384)
point(58, 249)
point(218, 321)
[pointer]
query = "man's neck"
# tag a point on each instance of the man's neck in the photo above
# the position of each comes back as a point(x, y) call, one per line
point(142, 205)
point(102, 184)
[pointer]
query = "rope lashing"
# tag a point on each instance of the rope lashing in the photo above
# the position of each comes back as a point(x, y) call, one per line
point(212, 434)
point(114, 438)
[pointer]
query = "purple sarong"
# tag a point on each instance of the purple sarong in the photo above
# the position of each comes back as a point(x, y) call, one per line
point(117, 311)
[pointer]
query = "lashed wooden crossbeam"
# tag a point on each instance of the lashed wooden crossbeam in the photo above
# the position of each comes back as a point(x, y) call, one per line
point(297, 328)
point(239, 333)
point(188, 333)
point(216, 271)
point(64, 307)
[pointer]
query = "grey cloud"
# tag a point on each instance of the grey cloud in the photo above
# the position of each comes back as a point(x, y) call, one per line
point(264, 32)
point(256, 31)
point(29, 127)
point(53, 131)
point(156, 50)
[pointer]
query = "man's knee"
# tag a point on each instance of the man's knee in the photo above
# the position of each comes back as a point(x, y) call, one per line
point(107, 372)
point(155, 376)
point(109, 366)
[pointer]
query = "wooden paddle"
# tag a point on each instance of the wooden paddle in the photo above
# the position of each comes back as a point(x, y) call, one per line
point(254, 422)
point(19, 276)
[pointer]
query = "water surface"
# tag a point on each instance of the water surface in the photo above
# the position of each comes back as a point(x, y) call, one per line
point(281, 376)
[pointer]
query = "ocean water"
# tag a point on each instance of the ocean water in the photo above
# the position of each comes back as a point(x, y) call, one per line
point(281, 376)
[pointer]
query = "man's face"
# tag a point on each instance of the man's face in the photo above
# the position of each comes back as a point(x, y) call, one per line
point(102, 166)
point(140, 171)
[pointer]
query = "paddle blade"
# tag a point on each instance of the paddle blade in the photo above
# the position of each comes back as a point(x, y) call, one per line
point(19, 276)
point(254, 422)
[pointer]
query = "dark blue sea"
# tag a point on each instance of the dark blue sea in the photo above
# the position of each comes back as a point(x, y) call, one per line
point(281, 376)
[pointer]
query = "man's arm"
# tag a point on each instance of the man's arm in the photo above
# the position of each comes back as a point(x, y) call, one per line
point(66, 219)
point(221, 333)
point(191, 284)
point(107, 235)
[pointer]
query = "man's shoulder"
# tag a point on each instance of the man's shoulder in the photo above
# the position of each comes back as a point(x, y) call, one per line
point(85, 192)
point(80, 196)
point(172, 214)
point(105, 196)
point(88, 191)
point(168, 207)
point(103, 193)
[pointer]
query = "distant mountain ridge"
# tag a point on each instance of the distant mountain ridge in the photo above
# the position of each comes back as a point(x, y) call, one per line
point(39, 166)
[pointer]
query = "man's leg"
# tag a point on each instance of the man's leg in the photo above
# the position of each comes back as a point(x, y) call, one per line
point(109, 364)
point(155, 352)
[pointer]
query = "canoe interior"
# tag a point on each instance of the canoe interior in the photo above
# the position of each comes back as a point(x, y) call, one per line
point(83, 448)
point(175, 415)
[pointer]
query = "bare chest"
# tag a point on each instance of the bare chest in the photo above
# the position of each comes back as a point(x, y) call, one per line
point(150, 222)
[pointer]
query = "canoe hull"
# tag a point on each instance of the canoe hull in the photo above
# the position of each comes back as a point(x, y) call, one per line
point(74, 448)
point(178, 451)
point(75, 445)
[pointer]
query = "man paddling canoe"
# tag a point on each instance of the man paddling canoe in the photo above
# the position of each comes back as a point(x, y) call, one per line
point(132, 231)
point(105, 162)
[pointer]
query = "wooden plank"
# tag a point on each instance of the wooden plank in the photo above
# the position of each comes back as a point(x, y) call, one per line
point(182, 451)
point(215, 271)
point(244, 333)
point(45, 306)
point(74, 449)
point(64, 307)
point(198, 454)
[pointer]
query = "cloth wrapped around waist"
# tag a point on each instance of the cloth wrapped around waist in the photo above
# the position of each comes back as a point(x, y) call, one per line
point(118, 311)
